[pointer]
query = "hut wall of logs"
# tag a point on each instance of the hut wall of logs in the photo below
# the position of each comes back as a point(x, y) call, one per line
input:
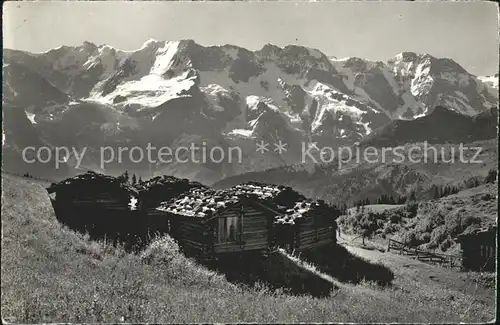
point(96, 204)
point(306, 226)
point(211, 222)
point(251, 224)
point(248, 217)
point(154, 191)
point(479, 249)
point(315, 229)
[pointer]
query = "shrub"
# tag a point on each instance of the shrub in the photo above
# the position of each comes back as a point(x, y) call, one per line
point(472, 182)
point(486, 197)
point(437, 218)
point(492, 176)
point(424, 225)
point(161, 251)
point(387, 229)
point(456, 224)
point(438, 235)
point(447, 243)
point(411, 208)
point(468, 221)
point(425, 237)
point(410, 238)
point(395, 217)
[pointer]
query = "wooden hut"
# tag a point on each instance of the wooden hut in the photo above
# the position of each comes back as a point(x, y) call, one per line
point(247, 217)
point(160, 189)
point(207, 221)
point(299, 224)
point(307, 225)
point(479, 249)
point(154, 191)
point(102, 205)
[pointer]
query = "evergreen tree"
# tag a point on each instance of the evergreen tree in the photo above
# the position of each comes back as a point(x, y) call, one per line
point(134, 180)
point(124, 177)
point(492, 176)
point(412, 197)
point(434, 191)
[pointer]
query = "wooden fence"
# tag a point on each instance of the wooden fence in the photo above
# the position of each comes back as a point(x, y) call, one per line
point(425, 256)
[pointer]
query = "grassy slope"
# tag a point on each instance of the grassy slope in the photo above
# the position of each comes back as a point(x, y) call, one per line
point(51, 274)
point(410, 272)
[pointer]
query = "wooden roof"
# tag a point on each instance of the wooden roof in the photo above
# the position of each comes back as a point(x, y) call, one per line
point(165, 181)
point(93, 178)
point(200, 202)
point(477, 232)
point(299, 210)
point(287, 204)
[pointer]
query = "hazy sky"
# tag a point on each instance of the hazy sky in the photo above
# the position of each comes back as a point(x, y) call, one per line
point(465, 32)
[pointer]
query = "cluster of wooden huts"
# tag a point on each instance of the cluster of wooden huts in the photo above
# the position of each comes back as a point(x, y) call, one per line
point(153, 192)
point(249, 217)
point(205, 221)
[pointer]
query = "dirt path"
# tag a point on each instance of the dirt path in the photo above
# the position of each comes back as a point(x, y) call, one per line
point(408, 269)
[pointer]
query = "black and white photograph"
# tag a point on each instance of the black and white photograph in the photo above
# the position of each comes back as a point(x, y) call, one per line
point(236, 162)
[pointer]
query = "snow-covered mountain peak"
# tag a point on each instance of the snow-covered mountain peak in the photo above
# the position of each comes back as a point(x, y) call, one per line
point(181, 90)
point(406, 56)
point(491, 81)
point(150, 43)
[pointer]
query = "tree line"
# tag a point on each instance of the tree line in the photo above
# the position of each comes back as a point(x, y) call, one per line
point(439, 191)
point(125, 178)
point(436, 192)
point(386, 199)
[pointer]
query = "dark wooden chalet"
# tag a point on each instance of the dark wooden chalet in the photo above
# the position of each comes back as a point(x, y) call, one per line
point(102, 205)
point(479, 249)
point(248, 217)
point(161, 188)
point(307, 225)
point(154, 191)
point(207, 221)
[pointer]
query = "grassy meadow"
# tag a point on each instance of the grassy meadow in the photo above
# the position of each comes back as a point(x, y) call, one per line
point(52, 274)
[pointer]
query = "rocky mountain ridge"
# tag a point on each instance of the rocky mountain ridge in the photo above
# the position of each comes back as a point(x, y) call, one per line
point(172, 93)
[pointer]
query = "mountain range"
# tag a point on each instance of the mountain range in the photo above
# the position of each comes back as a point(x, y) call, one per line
point(174, 93)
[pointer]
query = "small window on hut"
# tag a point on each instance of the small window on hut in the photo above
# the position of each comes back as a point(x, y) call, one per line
point(229, 229)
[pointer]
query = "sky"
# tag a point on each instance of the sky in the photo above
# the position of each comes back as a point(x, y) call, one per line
point(464, 31)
